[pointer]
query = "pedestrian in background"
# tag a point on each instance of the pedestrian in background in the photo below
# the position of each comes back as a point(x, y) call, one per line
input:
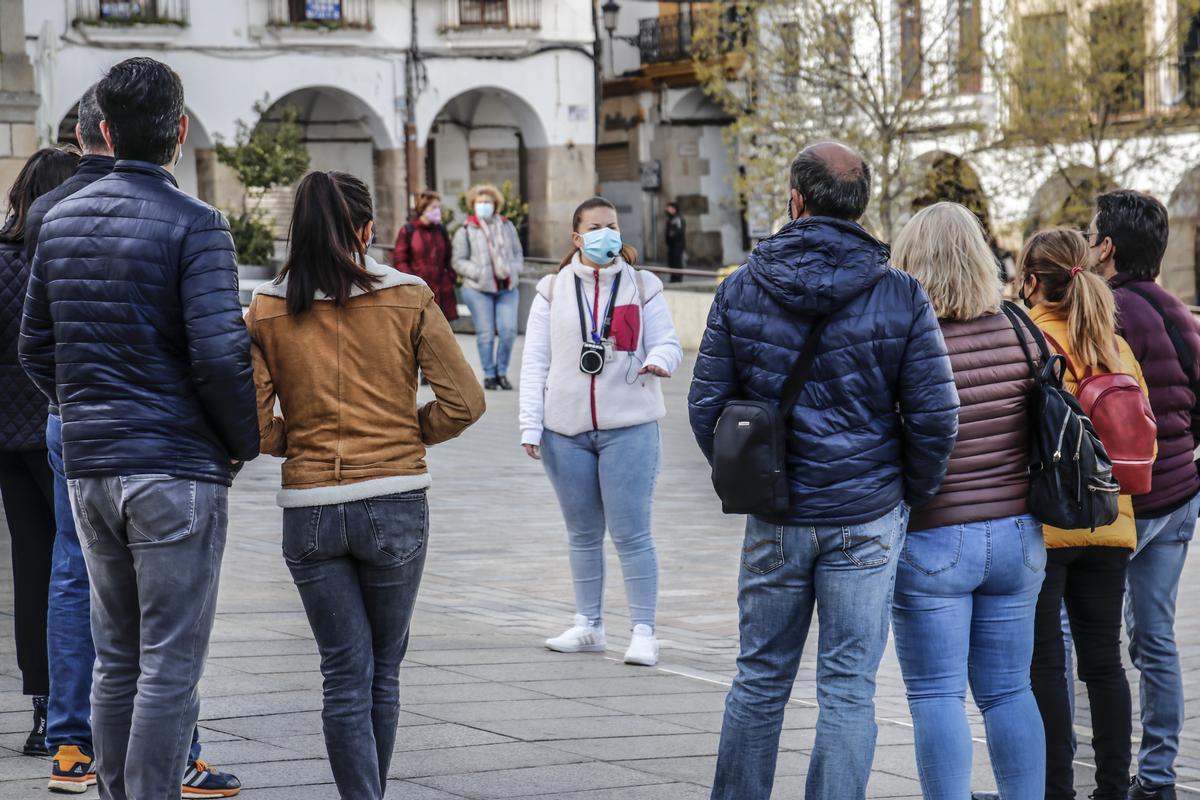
point(870, 437)
point(974, 559)
point(598, 342)
point(423, 249)
point(488, 257)
point(1085, 568)
point(26, 484)
point(337, 335)
point(1126, 242)
point(144, 336)
point(676, 235)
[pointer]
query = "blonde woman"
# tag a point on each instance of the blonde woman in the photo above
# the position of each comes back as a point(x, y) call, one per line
point(973, 562)
point(1075, 308)
point(487, 256)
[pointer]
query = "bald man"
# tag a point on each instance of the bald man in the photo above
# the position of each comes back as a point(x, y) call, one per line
point(869, 438)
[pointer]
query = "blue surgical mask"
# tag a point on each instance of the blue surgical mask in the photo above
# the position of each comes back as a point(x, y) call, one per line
point(602, 245)
point(485, 210)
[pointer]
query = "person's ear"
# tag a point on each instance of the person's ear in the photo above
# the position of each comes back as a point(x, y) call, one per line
point(183, 129)
point(366, 233)
point(107, 134)
point(577, 240)
point(79, 135)
point(1108, 250)
point(797, 204)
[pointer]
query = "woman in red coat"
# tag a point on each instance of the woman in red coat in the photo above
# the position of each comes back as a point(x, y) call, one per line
point(423, 249)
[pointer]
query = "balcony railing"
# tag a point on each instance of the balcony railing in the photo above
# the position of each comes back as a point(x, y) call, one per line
point(318, 14)
point(475, 14)
point(131, 12)
point(662, 39)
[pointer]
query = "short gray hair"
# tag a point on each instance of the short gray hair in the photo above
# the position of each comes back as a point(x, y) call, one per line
point(89, 121)
point(842, 194)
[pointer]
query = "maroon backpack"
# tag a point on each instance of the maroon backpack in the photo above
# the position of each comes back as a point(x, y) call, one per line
point(1120, 412)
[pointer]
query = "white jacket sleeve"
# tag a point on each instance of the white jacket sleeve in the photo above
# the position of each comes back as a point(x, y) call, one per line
point(535, 367)
point(659, 337)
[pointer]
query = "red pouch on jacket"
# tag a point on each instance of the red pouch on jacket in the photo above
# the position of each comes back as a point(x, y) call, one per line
point(626, 325)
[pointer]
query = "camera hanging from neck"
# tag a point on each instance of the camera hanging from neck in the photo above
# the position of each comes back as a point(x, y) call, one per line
point(594, 353)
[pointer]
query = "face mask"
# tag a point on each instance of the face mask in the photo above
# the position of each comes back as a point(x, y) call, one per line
point(485, 210)
point(434, 215)
point(602, 246)
point(1024, 300)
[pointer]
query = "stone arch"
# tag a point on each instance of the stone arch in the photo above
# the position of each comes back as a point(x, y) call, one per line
point(487, 135)
point(1181, 263)
point(1067, 197)
point(343, 132)
point(696, 105)
point(945, 176)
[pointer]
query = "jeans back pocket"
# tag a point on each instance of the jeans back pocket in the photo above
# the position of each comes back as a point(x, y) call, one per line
point(158, 509)
point(935, 550)
point(762, 549)
point(301, 528)
point(399, 523)
point(83, 523)
point(871, 544)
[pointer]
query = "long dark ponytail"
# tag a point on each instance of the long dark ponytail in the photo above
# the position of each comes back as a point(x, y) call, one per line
point(325, 252)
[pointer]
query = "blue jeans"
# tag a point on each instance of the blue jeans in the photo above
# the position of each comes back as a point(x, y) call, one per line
point(1152, 587)
point(357, 567)
point(963, 612)
point(153, 545)
point(849, 573)
point(69, 634)
point(606, 479)
point(494, 315)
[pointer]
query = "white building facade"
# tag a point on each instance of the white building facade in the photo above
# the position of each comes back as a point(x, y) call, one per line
point(491, 90)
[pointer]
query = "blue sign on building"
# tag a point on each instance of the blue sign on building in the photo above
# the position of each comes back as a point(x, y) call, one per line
point(323, 9)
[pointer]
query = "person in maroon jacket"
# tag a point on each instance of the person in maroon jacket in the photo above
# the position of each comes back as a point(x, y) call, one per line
point(1127, 239)
point(423, 249)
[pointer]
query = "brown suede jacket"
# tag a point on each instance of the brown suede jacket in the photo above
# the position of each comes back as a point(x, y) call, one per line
point(346, 379)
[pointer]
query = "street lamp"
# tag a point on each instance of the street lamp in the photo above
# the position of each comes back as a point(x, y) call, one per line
point(610, 10)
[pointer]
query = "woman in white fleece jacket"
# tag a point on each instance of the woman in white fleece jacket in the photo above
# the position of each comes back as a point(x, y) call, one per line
point(598, 342)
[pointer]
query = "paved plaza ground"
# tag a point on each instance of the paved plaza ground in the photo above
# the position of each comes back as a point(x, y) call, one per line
point(488, 713)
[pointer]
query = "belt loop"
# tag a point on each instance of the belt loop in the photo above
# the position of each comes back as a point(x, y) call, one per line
point(337, 469)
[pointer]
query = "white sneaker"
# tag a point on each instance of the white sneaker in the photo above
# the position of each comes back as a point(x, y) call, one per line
point(643, 648)
point(583, 638)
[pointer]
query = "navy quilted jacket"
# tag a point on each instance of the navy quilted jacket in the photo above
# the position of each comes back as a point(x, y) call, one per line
point(877, 421)
point(133, 318)
point(22, 406)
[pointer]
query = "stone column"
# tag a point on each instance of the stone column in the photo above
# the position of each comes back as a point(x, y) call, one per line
point(560, 178)
point(18, 98)
point(391, 195)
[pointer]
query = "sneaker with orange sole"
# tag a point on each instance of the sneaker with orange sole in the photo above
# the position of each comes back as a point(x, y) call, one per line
point(202, 781)
point(73, 770)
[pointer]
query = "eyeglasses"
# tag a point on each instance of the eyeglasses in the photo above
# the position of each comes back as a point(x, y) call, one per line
point(1089, 235)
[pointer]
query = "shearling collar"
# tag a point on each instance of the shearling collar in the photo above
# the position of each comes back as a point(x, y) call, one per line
point(388, 278)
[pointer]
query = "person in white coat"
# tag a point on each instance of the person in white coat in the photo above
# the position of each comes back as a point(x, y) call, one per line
point(598, 342)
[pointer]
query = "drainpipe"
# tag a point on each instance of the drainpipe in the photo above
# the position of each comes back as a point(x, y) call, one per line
point(410, 115)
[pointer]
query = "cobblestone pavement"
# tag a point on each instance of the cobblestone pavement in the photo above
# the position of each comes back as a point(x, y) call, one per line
point(487, 712)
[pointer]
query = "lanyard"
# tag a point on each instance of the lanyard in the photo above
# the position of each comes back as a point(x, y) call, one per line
point(595, 336)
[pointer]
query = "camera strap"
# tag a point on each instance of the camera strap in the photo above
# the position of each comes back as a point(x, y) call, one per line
point(595, 336)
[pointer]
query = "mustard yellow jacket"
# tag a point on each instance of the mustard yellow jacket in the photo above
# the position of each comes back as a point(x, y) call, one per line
point(1123, 532)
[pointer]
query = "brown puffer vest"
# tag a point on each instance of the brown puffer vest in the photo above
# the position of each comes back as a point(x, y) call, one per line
point(988, 475)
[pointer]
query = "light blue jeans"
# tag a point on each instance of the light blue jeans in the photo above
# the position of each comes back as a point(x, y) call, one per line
point(848, 573)
point(606, 479)
point(1152, 587)
point(494, 316)
point(963, 612)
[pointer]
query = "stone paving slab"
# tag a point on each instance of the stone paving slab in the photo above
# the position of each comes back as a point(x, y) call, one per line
point(488, 713)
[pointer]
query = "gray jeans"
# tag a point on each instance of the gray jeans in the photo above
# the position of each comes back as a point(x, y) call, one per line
point(153, 547)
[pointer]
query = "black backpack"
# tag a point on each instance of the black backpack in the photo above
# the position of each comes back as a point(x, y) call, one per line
point(1071, 484)
point(749, 466)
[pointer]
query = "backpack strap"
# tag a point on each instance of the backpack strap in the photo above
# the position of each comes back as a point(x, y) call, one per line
point(1013, 317)
point(801, 371)
point(1058, 348)
point(1183, 351)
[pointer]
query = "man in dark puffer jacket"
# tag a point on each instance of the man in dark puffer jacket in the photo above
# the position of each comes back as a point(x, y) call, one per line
point(870, 437)
point(1126, 240)
point(133, 323)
